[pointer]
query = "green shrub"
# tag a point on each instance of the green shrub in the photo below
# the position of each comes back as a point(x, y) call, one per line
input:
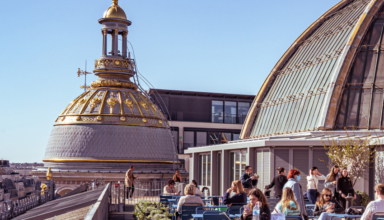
point(365, 198)
point(150, 210)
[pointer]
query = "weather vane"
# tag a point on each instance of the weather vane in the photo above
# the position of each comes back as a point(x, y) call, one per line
point(81, 72)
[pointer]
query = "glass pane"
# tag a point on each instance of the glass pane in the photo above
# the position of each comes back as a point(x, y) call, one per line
point(232, 164)
point(364, 108)
point(219, 173)
point(236, 137)
point(377, 105)
point(189, 139)
point(342, 109)
point(238, 171)
point(217, 111)
point(243, 161)
point(213, 138)
point(204, 169)
point(243, 108)
point(225, 137)
point(209, 170)
point(352, 107)
point(230, 112)
point(200, 169)
point(201, 139)
point(175, 135)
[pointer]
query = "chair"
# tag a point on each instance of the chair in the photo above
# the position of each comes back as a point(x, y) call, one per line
point(378, 215)
point(292, 217)
point(187, 209)
point(273, 203)
point(209, 215)
point(310, 208)
point(164, 200)
point(362, 208)
point(235, 209)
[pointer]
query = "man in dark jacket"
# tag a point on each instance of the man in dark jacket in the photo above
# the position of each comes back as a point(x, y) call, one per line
point(247, 180)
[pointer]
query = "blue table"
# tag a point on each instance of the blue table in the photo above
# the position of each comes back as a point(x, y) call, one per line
point(344, 216)
point(200, 216)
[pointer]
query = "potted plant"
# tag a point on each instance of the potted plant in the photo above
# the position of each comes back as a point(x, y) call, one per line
point(144, 210)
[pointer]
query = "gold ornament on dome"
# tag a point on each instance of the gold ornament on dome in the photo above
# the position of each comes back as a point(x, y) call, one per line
point(117, 63)
point(144, 120)
point(94, 102)
point(122, 118)
point(112, 101)
point(129, 104)
point(144, 104)
point(98, 118)
point(78, 118)
point(113, 83)
point(63, 118)
point(160, 122)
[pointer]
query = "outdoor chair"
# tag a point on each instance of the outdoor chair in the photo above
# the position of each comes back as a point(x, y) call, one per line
point(235, 209)
point(378, 215)
point(187, 209)
point(310, 208)
point(360, 208)
point(209, 215)
point(293, 217)
point(164, 200)
point(273, 203)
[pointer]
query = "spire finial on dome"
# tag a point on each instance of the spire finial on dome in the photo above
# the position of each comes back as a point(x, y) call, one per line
point(115, 2)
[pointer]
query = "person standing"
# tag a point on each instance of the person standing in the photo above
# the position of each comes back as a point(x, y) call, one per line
point(247, 180)
point(177, 177)
point(331, 181)
point(293, 183)
point(279, 182)
point(376, 205)
point(129, 180)
point(240, 196)
point(313, 182)
point(344, 186)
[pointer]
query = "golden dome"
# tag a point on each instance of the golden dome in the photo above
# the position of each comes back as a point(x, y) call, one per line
point(115, 11)
point(108, 105)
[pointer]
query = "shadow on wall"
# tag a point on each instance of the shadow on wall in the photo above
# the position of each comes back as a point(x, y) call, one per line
point(379, 170)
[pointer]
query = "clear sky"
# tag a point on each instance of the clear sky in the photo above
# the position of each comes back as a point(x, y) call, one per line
point(226, 46)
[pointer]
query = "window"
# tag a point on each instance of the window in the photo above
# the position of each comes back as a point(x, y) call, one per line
point(242, 111)
point(205, 169)
point(217, 111)
point(189, 139)
point(238, 163)
point(236, 137)
point(219, 173)
point(201, 138)
point(175, 135)
point(225, 137)
point(230, 112)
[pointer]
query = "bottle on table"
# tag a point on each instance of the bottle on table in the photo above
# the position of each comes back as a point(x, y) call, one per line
point(221, 201)
point(256, 212)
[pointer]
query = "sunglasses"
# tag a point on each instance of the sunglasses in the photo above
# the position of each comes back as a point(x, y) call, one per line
point(328, 195)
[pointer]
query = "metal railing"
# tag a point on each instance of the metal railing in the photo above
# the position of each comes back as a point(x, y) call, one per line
point(11, 209)
point(99, 210)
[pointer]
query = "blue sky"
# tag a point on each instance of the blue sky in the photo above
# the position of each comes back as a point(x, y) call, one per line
point(224, 46)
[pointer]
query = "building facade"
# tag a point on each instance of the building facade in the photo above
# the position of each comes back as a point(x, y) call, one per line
point(202, 118)
point(330, 79)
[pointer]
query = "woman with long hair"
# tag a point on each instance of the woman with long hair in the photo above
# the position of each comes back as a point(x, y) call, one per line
point(256, 196)
point(331, 180)
point(279, 181)
point(313, 184)
point(169, 189)
point(189, 191)
point(239, 198)
point(177, 177)
point(288, 204)
point(344, 187)
point(293, 183)
point(198, 192)
point(326, 205)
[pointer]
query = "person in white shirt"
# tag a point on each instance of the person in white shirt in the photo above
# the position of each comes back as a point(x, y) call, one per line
point(313, 182)
point(189, 191)
point(375, 206)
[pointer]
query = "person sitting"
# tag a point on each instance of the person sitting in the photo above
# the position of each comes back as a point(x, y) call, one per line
point(198, 192)
point(189, 191)
point(256, 196)
point(288, 204)
point(239, 198)
point(169, 189)
point(326, 205)
point(376, 205)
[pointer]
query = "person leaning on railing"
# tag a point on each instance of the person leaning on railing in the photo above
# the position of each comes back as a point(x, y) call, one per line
point(257, 196)
point(189, 197)
point(170, 189)
point(326, 205)
point(376, 205)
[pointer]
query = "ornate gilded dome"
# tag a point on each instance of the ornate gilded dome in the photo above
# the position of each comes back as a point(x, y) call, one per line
point(115, 12)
